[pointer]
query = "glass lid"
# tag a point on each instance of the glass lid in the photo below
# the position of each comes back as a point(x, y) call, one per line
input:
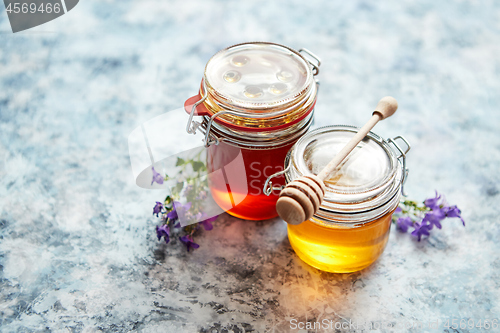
point(367, 172)
point(258, 75)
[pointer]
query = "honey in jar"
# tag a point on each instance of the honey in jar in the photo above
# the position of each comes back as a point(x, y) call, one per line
point(255, 101)
point(351, 229)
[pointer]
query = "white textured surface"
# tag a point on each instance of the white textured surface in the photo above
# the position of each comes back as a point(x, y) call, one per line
point(78, 251)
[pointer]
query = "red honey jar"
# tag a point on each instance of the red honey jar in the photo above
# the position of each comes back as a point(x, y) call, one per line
point(255, 101)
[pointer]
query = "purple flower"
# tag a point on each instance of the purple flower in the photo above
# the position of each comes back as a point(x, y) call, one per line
point(157, 209)
point(207, 223)
point(206, 220)
point(163, 231)
point(188, 189)
point(156, 177)
point(453, 211)
point(178, 208)
point(202, 195)
point(434, 211)
point(188, 240)
point(434, 218)
point(421, 229)
point(403, 223)
point(433, 203)
point(172, 214)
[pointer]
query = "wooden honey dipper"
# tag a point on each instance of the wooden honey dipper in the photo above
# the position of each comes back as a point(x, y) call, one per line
point(301, 198)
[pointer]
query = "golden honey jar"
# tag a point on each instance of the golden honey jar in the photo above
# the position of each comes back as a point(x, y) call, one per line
point(351, 229)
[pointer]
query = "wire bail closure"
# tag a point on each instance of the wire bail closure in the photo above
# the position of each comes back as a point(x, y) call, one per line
point(206, 125)
point(315, 57)
point(403, 156)
point(193, 125)
point(268, 185)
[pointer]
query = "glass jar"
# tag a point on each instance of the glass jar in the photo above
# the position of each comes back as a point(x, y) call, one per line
point(255, 101)
point(351, 228)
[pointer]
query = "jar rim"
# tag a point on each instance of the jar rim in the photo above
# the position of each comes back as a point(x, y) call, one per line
point(229, 105)
point(343, 205)
point(259, 105)
point(262, 139)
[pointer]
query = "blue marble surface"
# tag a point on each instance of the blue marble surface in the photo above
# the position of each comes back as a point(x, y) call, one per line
point(78, 251)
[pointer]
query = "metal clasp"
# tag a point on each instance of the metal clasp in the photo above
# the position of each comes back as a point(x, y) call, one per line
point(315, 57)
point(215, 140)
point(192, 125)
point(268, 185)
point(403, 157)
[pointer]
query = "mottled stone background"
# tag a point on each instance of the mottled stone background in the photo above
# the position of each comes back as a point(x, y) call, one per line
point(78, 251)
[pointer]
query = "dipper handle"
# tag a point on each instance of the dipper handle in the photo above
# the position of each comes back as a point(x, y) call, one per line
point(386, 107)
